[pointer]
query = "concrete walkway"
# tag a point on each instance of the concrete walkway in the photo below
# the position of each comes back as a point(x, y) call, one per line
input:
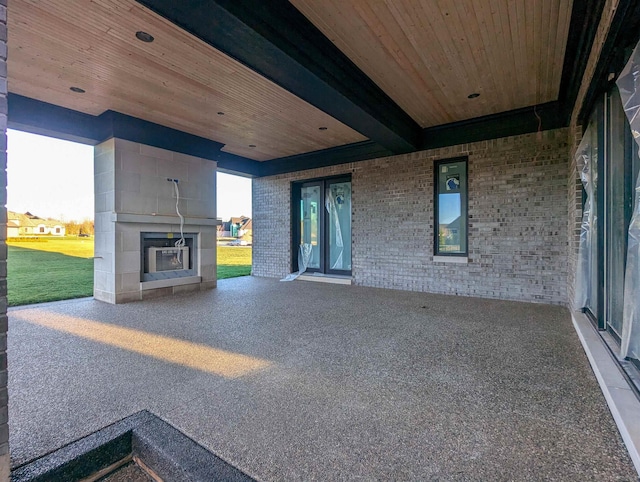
point(307, 381)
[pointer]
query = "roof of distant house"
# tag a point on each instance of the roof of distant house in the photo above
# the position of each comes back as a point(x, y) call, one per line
point(28, 219)
point(239, 220)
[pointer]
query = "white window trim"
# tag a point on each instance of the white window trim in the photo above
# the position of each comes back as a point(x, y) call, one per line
point(451, 259)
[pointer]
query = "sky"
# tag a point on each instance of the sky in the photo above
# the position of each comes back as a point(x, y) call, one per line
point(449, 207)
point(49, 177)
point(233, 196)
point(54, 179)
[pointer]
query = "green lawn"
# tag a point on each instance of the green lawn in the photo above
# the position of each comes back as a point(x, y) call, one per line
point(52, 269)
point(234, 261)
point(56, 269)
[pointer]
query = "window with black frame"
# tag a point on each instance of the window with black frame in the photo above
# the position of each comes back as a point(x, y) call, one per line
point(451, 218)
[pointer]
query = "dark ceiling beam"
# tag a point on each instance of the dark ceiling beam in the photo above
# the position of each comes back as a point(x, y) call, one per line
point(583, 26)
point(505, 124)
point(237, 165)
point(38, 117)
point(275, 40)
point(623, 35)
point(359, 151)
point(516, 122)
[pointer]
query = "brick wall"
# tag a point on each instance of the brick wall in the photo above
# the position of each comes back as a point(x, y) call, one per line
point(517, 226)
point(4, 412)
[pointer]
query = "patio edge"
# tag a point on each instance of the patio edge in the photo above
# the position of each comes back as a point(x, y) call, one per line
point(620, 397)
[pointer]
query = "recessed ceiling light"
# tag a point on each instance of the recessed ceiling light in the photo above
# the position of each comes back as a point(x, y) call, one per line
point(473, 96)
point(322, 128)
point(252, 145)
point(77, 90)
point(220, 113)
point(144, 36)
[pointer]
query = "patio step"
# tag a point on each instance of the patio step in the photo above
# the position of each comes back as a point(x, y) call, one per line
point(142, 440)
point(326, 278)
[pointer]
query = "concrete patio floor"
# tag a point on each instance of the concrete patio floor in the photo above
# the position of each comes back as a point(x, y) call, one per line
point(302, 381)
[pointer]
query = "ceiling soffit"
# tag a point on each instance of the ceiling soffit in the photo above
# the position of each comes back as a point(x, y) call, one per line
point(184, 75)
point(177, 80)
point(276, 40)
point(429, 56)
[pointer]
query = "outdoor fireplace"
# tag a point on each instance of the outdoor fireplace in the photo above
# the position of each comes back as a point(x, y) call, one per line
point(145, 199)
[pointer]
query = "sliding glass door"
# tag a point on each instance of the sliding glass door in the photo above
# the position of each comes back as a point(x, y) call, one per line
point(620, 171)
point(609, 164)
point(322, 225)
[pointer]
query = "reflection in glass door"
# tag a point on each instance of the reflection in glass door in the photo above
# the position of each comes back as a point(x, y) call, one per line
point(310, 222)
point(338, 204)
point(322, 230)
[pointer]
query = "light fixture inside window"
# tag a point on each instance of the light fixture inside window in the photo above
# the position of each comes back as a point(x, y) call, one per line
point(144, 36)
point(77, 90)
point(473, 96)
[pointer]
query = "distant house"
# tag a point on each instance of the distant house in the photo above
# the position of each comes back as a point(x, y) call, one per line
point(246, 228)
point(28, 224)
point(449, 235)
point(236, 228)
point(13, 229)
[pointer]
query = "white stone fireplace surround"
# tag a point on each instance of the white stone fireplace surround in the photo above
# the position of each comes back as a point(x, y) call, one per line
point(133, 196)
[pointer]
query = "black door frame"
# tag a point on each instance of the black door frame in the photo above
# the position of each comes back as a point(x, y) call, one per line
point(296, 187)
point(600, 118)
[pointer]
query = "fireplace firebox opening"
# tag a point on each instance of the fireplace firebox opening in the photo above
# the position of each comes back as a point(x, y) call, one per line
point(162, 259)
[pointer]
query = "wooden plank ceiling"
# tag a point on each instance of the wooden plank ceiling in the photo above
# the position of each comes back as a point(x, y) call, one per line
point(429, 55)
point(176, 81)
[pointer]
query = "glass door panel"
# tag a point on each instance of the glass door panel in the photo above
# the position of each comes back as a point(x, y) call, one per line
point(593, 299)
point(338, 205)
point(618, 202)
point(310, 205)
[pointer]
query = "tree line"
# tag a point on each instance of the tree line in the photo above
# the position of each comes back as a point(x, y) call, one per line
point(74, 227)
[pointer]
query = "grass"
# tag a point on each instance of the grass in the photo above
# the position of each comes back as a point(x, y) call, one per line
point(52, 269)
point(234, 261)
point(56, 269)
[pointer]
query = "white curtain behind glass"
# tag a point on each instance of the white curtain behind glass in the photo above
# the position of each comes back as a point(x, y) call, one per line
point(629, 87)
point(583, 275)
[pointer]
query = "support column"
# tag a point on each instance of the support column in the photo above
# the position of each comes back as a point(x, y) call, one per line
point(4, 399)
point(135, 201)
